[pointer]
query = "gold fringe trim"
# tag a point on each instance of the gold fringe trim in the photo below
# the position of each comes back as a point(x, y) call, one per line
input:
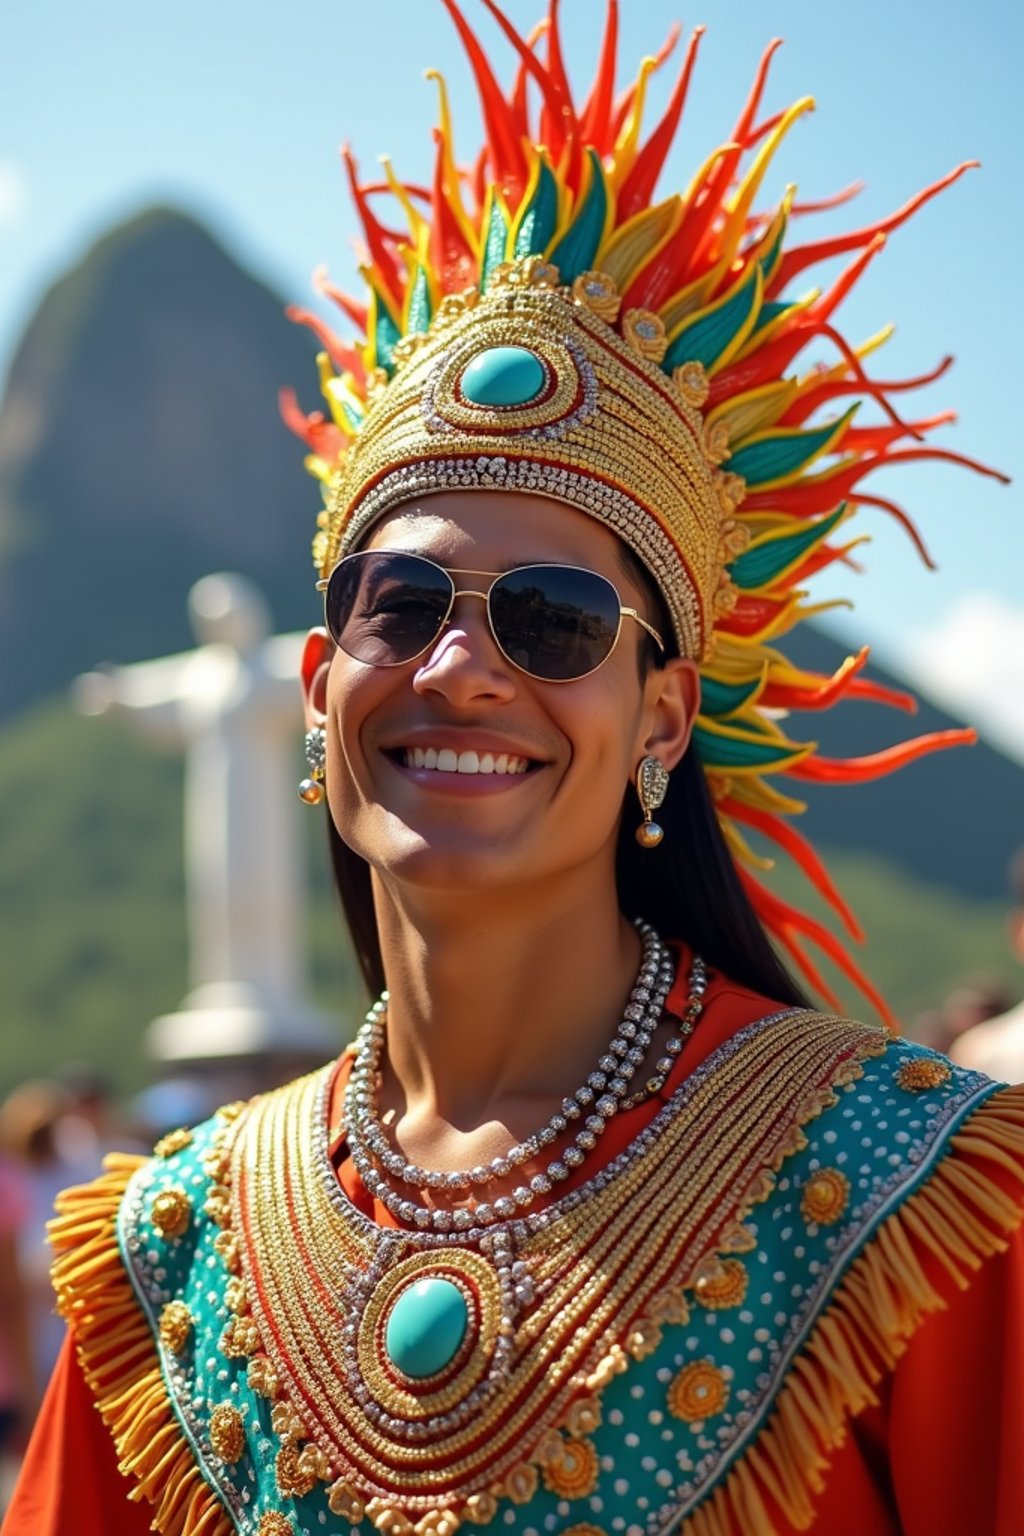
point(120, 1360)
point(957, 1217)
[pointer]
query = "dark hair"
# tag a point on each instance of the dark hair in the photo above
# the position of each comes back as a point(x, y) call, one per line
point(687, 886)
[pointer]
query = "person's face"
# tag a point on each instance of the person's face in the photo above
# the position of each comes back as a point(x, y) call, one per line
point(581, 741)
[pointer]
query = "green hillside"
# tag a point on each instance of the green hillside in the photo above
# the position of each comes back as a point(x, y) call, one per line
point(91, 918)
point(92, 929)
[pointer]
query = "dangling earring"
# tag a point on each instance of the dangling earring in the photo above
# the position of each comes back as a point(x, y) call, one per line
point(652, 787)
point(311, 790)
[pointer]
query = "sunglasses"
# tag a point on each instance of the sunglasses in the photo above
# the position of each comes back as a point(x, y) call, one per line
point(556, 623)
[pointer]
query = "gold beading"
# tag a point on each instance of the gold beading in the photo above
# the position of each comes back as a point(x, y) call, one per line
point(608, 434)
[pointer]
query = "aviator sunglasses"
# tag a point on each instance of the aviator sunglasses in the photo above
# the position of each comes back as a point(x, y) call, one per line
point(556, 623)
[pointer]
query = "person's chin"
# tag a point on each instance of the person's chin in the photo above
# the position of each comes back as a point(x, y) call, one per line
point(452, 857)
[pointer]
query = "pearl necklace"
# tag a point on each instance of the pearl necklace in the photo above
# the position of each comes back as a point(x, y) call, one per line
point(604, 1094)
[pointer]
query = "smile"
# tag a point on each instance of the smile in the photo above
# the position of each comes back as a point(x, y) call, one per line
point(445, 760)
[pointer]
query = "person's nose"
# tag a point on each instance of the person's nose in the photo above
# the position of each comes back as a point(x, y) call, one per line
point(465, 666)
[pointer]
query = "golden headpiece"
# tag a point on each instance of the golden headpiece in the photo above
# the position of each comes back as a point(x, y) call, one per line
point(545, 325)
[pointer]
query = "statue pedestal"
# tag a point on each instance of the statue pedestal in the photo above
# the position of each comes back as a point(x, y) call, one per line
point(229, 1019)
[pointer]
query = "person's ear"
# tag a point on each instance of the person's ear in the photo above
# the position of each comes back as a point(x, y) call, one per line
point(317, 655)
point(671, 703)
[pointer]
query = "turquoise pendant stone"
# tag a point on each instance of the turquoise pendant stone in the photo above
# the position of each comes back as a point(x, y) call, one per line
point(503, 376)
point(427, 1324)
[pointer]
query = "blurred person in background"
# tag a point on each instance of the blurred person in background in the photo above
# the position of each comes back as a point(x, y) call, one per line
point(600, 1225)
point(19, 1382)
point(31, 1121)
point(996, 1044)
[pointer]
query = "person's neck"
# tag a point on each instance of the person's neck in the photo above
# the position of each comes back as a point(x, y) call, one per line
point(499, 1005)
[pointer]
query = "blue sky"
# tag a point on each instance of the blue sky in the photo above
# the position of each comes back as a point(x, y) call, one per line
point(234, 109)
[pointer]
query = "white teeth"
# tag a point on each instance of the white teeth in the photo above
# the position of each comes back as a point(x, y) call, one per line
point(445, 760)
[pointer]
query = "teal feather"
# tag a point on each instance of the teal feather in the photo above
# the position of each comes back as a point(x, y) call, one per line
point(578, 247)
point(718, 699)
point(386, 336)
point(495, 244)
point(775, 456)
point(420, 306)
point(761, 563)
point(738, 752)
point(540, 220)
point(706, 338)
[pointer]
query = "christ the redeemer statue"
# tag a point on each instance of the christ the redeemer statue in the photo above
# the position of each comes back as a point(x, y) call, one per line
point(233, 706)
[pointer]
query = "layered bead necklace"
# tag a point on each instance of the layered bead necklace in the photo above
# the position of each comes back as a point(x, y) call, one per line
point(608, 1090)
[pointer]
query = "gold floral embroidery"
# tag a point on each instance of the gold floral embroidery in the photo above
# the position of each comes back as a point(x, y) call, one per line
point(176, 1326)
point(262, 1378)
point(227, 1432)
point(298, 1472)
point(645, 334)
point(721, 1283)
point(174, 1141)
point(521, 1484)
point(583, 1529)
point(273, 1523)
point(825, 1198)
point(437, 1522)
point(699, 1391)
point(227, 1245)
point(286, 1422)
point(669, 1307)
point(574, 1475)
point(236, 1298)
point(613, 1364)
point(692, 383)
point(596, 292)
point(218, 1205)
point(584, 1417)
point(643, 1338)
point(344, 1501)
point(481, 1508)
point(387, 1518)
point(925, 1072)
point(240, 1337)
point(736, 1238)
point(171, 1212)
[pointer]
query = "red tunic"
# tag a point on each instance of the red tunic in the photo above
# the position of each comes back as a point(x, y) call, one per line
point(939, 1455)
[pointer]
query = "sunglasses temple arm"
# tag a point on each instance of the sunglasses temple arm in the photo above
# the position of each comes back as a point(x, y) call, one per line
point(631, 613)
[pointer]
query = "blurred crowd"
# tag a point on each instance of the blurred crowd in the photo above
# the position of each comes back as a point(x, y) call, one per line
point(53, 1133)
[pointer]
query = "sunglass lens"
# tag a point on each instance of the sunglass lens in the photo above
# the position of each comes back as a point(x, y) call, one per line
point(385, 608)
point(555, 621)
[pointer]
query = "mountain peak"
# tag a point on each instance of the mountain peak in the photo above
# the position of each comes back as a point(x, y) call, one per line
point(140, 447)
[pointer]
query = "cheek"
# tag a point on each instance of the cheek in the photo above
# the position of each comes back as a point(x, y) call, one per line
point(353, 692)
point(602, 728)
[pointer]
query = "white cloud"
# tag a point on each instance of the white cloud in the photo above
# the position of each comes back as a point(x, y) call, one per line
point(13, 193)
point(973, 665)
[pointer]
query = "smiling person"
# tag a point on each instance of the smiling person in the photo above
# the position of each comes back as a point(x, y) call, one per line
point(601, 1226)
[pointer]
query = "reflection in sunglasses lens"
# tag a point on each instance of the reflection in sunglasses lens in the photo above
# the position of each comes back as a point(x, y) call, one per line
point(384, 609)
point(555, 622)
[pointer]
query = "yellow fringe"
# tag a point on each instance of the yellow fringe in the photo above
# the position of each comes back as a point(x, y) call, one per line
point(958, 1218)
point(120, 1360)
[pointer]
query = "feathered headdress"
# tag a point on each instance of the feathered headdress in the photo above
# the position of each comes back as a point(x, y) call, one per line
point(670, 320)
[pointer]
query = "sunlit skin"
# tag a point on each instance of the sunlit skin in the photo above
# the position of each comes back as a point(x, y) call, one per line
point(506, 956)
